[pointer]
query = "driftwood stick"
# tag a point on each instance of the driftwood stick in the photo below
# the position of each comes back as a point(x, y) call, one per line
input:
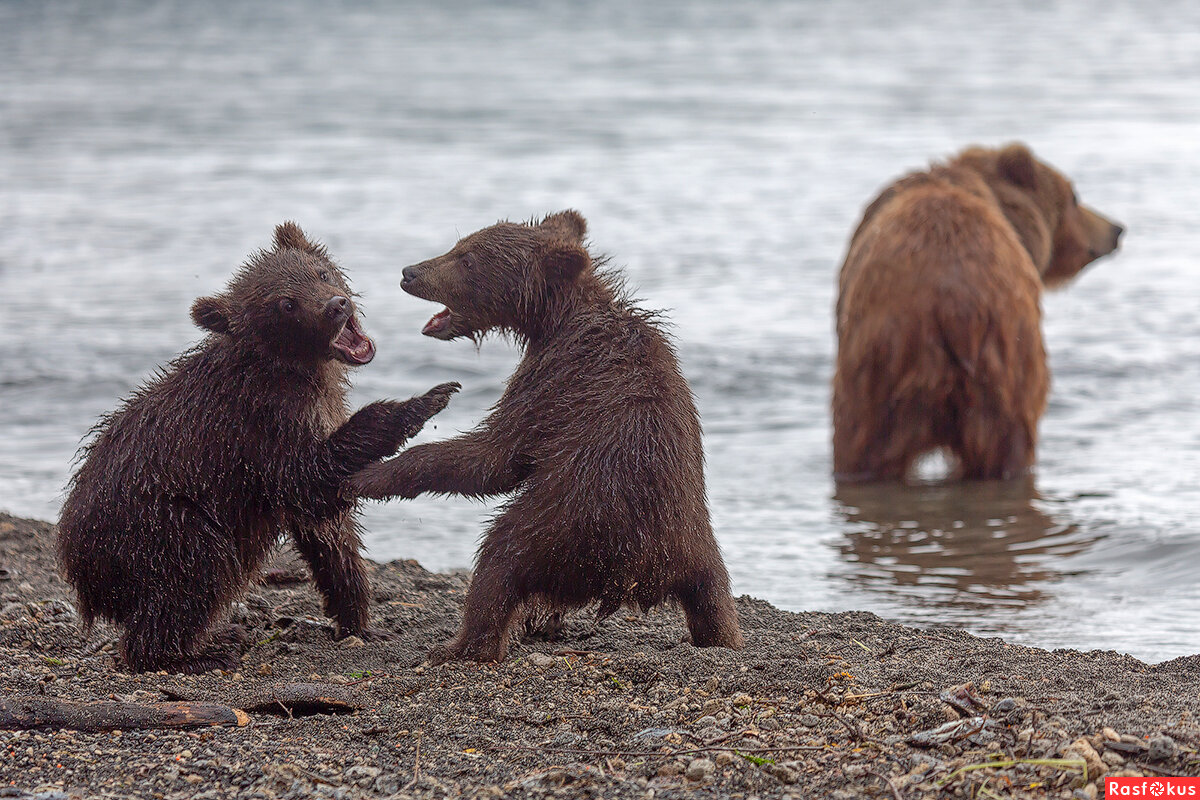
point(42, 713)
point(286, 699)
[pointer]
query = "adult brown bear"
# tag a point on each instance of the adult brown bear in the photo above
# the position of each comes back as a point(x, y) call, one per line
point(939, 315)
point(596, 434)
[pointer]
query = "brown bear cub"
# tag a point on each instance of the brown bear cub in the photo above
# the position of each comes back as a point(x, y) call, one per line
point(596, 433)
point(244, 438)
point(939, 315)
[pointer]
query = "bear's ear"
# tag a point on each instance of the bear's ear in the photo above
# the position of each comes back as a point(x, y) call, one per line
point(1016, 165)
point(288, 234)
point(562, 262)
point(211, 313)
point(568, 224)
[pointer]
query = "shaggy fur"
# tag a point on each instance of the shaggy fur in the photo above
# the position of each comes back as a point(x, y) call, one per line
point(939, 316)
point(596, 434)
point(245, 438)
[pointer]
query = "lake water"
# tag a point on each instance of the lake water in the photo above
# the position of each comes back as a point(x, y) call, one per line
point(722, 153)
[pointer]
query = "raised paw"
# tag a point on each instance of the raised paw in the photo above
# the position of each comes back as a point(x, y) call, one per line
point(427, 405)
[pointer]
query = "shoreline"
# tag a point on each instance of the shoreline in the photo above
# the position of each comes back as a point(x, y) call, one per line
point(818, 704)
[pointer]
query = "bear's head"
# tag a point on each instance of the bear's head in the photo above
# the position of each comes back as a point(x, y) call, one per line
point(507, 276)
point(290, 302)
point(1061, 235)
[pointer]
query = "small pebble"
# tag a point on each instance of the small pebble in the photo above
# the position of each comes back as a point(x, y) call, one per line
point(670, 769)
point(540, 660)
point(351, 642)
point(706, 722)
point(1161, 748)
point(699, 769)
point(809, 721)
point(784, 774)
point(724, 759)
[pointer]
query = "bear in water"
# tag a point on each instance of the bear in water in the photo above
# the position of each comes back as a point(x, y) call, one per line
point(939, 314)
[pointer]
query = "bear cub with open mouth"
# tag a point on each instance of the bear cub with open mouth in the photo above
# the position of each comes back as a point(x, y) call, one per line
point(596, 436)
point(243, 439)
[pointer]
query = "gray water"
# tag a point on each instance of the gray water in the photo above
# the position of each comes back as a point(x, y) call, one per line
point(722, 153)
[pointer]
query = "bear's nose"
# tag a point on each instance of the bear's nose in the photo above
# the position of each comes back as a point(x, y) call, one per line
point(338, 306)
point(409, 274)
point(1117, 230)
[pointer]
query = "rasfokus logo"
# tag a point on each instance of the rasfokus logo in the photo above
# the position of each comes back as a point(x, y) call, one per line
point(1152, 787)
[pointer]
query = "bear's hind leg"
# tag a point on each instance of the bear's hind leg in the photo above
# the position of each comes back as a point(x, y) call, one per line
point(173, 640)
point(994, 446)
point(498, 592)
point(330, 547)
point(711, 617)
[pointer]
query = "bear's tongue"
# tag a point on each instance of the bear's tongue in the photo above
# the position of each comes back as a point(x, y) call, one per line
point(438, 323)
point(354, 346)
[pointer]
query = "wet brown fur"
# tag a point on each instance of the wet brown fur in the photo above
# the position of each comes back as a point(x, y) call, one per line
point(939, 316)
point(596, 434)
point(243, 439)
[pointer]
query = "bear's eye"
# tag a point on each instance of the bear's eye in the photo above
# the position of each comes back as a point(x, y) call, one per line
point(468, 261)
point(287, 306)
point(324, 275)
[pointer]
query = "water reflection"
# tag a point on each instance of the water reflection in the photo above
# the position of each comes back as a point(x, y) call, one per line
point(969, 545)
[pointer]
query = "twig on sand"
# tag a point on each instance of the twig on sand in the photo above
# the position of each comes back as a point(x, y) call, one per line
point(416, 767)
point(850, 725)
point(1157, 770)
point(891, 784)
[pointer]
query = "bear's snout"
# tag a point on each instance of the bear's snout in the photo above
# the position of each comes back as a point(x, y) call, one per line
point(338, 307)
point(1117, 230)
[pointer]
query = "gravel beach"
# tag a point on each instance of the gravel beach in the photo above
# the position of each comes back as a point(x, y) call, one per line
point(818, 705)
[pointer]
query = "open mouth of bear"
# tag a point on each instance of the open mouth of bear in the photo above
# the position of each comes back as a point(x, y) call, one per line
point(438, 325)
point(352, 345)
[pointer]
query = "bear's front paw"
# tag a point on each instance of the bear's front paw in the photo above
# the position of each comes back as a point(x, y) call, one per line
point(376, 482)
point(420, 409)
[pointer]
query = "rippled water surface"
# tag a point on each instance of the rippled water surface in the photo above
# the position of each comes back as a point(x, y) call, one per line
point(722, 153)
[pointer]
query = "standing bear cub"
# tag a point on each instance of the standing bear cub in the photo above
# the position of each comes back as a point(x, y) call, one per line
point(939, 315)
point(186, 487)
point(596, 433)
